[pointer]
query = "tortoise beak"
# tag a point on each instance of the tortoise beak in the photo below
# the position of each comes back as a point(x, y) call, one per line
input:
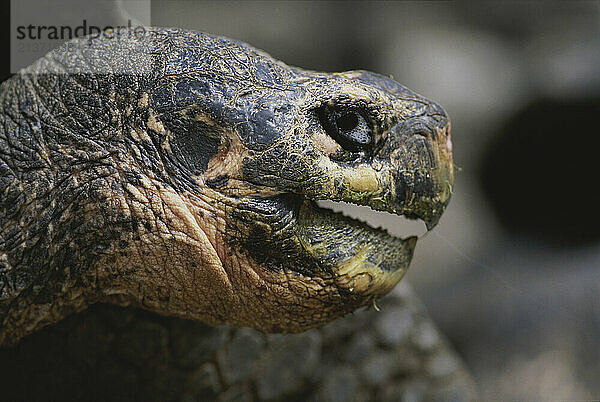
point(425, 172)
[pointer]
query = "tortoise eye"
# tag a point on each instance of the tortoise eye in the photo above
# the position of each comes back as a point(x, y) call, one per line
point(347, 127)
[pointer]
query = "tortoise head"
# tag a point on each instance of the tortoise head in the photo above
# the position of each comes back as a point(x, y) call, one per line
point(191, 188)
point(257, 143)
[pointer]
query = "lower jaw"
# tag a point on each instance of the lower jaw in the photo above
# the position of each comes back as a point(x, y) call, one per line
point(362, 259)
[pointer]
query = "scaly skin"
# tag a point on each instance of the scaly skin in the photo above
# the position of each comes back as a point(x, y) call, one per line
point(178, 171)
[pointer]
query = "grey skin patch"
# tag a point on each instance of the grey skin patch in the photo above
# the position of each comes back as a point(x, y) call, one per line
point(265, 128)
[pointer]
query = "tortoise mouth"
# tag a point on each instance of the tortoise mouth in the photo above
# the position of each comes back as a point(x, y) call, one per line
point(362, 258)
point(396, 224)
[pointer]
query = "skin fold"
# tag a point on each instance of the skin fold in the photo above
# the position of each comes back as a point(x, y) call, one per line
point(179, 172)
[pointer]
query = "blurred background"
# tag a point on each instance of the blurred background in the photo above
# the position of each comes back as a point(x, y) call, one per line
point(512, 273)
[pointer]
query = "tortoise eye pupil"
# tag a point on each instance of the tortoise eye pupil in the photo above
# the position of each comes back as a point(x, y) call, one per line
point(347, 121)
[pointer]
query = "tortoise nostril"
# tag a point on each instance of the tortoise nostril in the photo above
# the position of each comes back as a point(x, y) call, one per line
point(448, 138)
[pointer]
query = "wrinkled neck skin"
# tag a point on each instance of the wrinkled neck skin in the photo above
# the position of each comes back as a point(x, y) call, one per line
point(188, 189)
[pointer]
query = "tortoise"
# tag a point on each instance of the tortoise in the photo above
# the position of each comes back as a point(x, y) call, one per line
point(164, 183)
